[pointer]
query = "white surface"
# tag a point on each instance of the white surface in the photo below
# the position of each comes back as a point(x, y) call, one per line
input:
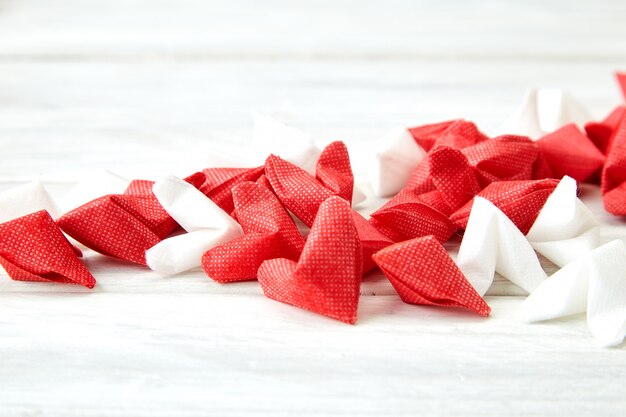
point(151, 87)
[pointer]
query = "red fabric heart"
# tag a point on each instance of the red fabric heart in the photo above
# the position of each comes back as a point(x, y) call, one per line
point(422, 272)
point(570, 152)
point(457, 134)
point(600, 133)
point(453, 176)
point(407, 216)
point(504, 158)
point(269, 232)
point(300, 192)
point(521, 201)
point(614, 172)
point(32, 248)
point(327, 277)
point(219, 183)
point(371, 240)
point(125, 225)
point(333, 170)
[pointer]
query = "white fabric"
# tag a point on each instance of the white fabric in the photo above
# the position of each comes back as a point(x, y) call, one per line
point(273, 137)
point(26, 199)
point(565, 228)
point(543, 111)
point(206, 223)
point(492, 243)
point(396, 156)
point(595, 283)
point(91, 187)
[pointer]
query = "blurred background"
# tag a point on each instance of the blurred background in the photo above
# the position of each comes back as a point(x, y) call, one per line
point(150, 86)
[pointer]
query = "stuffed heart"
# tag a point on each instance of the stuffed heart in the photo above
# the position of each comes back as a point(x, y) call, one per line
point(32, 248)
point(327, 277)
point(422, 272)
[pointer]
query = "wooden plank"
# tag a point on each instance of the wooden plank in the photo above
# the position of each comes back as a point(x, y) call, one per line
point(354, 29)
point(151, 354)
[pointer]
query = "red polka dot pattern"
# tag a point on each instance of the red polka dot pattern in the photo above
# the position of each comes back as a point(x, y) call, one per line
point(568, 151)
point(422, 272)
point(269, 232)
point(219, 183)
point(334, 172)
point(406, 216)
point(520, 201)
point(614, 172)
point(33, 248)
point(327, 277)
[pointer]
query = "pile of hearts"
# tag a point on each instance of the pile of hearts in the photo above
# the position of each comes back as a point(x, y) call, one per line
point(510, 197)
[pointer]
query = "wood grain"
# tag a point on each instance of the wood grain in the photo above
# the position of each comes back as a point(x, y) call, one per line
point(151, 87)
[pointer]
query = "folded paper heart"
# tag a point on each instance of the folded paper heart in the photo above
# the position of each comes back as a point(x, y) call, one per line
point(492, 243)
point(568, 151)
point(125, 225)
point(600, 133)
point(408, 215)
point(520, 201)
point(457, 134)
point(454, 133)
point(33, 248)
point(542, 111)
point(206, 224)
point(397, 154)
point(504, 158)
point(614, 172)
point(300, 192)
point(327, 277)
point(565, 229)
point(594, 283)
point(25, 199)
point(422, 272)
point(219, 183)
point(269, 232)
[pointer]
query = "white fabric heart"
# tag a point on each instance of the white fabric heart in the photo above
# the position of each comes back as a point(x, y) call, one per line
point(26, 199)
point(565, 228)
point(396, 156)
point(492, 243)
point(543, 111)
point(595, 283)
point(207, 226)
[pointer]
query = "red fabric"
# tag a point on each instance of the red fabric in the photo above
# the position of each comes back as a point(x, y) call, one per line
point(455, 134)
point(333, 170)
point(621, 79)
point(327, 277)
point(269, 232)
point(371, 240)
point(422, 272)
point(568, 151)
point(32, 248)
point(125, 225)
point(453, 176)
point(300, 192)
point(614, 172)
point(505, 158)
point(600, 133)
point(521, 201)
point(219, 183)
point(406, 216)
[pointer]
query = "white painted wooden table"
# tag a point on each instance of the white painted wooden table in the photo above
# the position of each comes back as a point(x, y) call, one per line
point(146, 87)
